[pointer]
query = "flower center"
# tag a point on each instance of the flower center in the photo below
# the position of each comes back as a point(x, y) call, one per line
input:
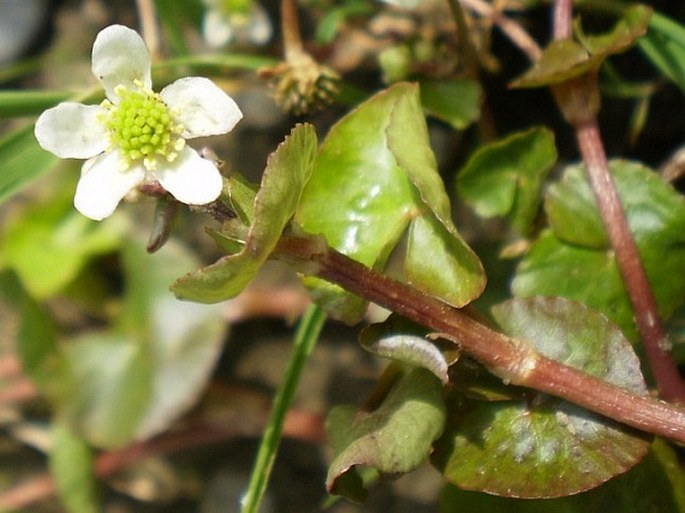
point(142, 127)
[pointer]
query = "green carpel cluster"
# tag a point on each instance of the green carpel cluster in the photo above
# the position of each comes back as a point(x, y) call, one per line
point(142, 127)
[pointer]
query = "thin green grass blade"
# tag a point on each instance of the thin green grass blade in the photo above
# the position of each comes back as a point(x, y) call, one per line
point(26, 103)
point(307, 334)
point(22, 160)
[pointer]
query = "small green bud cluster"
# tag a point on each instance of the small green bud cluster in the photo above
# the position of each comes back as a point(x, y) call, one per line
point(142, 127)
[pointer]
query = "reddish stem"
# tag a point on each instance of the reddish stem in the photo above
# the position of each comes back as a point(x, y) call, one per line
point(579, 101)
point(562, 19)
point(513, 360)
point(649, 324)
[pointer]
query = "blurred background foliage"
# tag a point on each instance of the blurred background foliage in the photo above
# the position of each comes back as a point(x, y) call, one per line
point(104, 373)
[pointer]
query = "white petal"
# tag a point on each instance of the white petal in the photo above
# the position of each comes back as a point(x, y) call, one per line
point(191, 179)
point(103, 183)
point(216, 29)
point(120, 57)
point(72, 131)
point(201, 107)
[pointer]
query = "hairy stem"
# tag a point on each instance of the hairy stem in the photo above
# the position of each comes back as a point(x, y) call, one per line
point(579, 101)
point(513, 360)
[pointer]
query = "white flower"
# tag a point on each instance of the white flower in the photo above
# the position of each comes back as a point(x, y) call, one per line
point(137, 135)
point(244, 21)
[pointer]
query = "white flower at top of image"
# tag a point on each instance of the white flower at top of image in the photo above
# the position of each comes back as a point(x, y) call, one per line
point(240, 21)
point(137, 135)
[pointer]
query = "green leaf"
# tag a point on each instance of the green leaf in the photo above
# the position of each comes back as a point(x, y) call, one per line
point(664, 46)
point(395, 438)
point(22, 161)
point(541, 446)
point(440, 263)
point(649, 487)
point(456, 101)
point(375, 174)
point(71, 464)
point(137, 378)
point(561, 60)
point(286, 173)
point(505, 178)
point(50, 243)
point(572, 259)
point(566, 59)
point(630, 27)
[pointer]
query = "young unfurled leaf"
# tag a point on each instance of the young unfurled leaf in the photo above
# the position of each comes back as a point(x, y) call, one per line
point(287, 171)
point(540, 446)
point(566, 59)
point(574, 259)
point(375, 180)
point(505, 178)
point(395, 438)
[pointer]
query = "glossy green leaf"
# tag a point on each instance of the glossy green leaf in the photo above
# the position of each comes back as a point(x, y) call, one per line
point(541, 446)
point(136, 379)
point(655, 484)
point(287, 171)
point(572, 259)
point(71, 465)
point(374, 176)
point(50, 243)
point(505, 178)
point(450, 270)
point(395, 438)
point(456, 102)
point(566, 59)
point(22, 161)
point(664, 46)
point(440, 263)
